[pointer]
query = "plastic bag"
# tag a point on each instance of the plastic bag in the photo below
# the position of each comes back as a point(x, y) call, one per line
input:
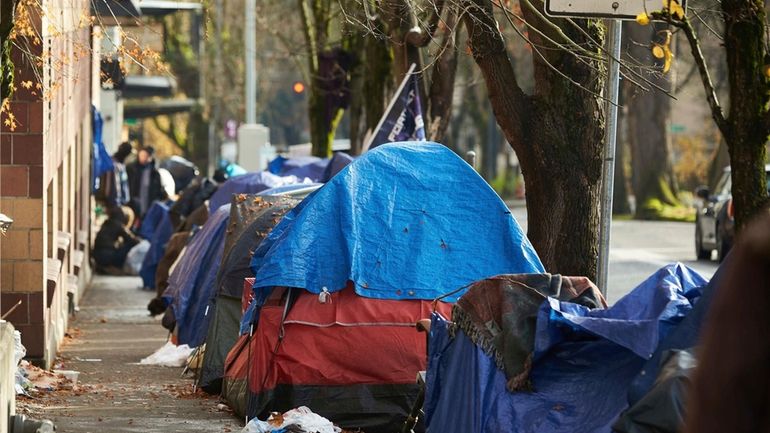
point(19, 351)
point(135, 257)
point(170, 355)
point(301, 417)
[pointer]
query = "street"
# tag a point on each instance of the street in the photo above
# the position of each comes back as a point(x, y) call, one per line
point(639, 248)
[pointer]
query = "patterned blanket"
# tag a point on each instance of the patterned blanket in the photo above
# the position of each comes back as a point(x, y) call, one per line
point(499, 315)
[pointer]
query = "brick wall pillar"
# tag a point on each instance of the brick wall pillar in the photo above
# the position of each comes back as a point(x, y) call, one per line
point(23, 250)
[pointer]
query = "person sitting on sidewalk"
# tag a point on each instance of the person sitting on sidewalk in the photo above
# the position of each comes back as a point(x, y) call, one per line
point(113, 242)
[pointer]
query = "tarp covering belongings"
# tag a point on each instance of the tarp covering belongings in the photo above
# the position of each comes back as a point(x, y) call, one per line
point(248, 225)
point(193, 272)
point(311, 167)
point(499, 315)
point(249, 183)
point(584, 361)
point(366, 254)
point(404, 221)
point(157, 228)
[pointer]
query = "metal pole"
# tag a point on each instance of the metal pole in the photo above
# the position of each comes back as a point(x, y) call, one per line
point(608, 168)
point(251, 53)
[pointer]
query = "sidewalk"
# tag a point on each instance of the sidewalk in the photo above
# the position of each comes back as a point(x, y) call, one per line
point(110, 334)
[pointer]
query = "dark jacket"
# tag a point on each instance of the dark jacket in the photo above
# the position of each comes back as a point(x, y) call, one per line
point(191, 198)
point(155, 192)
point(112, 235)
point(113, 186)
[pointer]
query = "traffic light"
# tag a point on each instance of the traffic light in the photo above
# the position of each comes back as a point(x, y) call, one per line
point(298, 87)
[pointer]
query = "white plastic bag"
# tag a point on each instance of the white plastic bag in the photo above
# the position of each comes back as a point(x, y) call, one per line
point(19, 351)
point(135, 257)
point(302, 417)
point(169, 356)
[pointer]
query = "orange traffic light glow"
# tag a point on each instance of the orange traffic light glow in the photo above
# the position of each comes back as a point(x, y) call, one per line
point(298, 87)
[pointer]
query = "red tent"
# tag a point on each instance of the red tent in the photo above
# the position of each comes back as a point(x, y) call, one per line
point(351, 359)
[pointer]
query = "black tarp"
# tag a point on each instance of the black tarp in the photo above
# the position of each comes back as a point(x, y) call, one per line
point(247, 227)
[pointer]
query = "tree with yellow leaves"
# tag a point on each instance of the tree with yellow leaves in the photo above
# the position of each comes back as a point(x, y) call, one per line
point(746, 125)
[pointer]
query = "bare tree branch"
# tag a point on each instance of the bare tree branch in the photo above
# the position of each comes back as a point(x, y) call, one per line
point(420, 38)
point(711, 95)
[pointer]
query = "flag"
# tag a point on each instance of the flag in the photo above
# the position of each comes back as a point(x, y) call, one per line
point(402, 120)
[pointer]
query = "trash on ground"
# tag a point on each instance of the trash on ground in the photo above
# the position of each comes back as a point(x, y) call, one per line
point(135, 258)
point(169, 355)
point(70, 375)
point(299, 420)
point(34, 379)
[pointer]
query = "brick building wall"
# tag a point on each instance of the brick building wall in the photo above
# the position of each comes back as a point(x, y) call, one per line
point(44, 178)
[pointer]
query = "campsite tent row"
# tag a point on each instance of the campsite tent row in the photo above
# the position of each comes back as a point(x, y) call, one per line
point(350, 221)
point(341, 277)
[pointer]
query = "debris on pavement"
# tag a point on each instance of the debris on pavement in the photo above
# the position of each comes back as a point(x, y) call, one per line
point(299, 420)
point(169, 355)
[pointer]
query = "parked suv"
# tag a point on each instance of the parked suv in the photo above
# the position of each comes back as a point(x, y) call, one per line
point(714, 221)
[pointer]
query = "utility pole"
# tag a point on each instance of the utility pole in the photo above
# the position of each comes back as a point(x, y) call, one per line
point(251, 54)
point(608, 168)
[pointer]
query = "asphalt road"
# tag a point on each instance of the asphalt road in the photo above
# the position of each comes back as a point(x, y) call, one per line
point(639, 248)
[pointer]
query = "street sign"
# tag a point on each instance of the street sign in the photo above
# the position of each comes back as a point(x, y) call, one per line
point(616, 9)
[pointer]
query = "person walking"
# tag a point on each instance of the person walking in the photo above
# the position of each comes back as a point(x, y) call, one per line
point(144, 181)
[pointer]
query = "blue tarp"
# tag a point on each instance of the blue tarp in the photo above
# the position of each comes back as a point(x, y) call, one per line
point(683, 337)
point(157, 228)
point(311, 167)
point(191, 284)
point(152, 219)
point(404, 221)
point(249, 183)
point(102, 161)
point(587, 361)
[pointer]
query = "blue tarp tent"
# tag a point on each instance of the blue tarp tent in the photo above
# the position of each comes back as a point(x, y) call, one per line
point(191, 283)
point(311, 167)
point(157, 228)
point(585, 362)
point(250, 183)
point(404, 221)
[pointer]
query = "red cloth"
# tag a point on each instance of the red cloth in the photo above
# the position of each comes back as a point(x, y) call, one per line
point(349, 340)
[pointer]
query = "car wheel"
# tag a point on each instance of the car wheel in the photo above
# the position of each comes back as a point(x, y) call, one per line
point(701, 253)
point(723, 247)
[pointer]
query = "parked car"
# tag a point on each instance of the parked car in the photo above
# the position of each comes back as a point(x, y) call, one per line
point(714, 220)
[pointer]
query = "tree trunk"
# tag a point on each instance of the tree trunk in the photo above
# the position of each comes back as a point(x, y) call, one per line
point(748, 124)
point(354, 42)
point(378, 82)
point(652, 177)
point(323, 125)
point(443, 81)
point(557, 134)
